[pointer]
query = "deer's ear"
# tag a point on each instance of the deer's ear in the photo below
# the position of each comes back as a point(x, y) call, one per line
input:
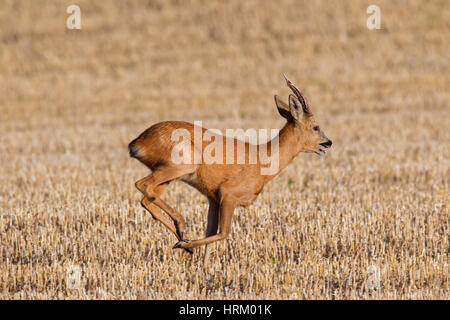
point(295, 107)
point(283, 108)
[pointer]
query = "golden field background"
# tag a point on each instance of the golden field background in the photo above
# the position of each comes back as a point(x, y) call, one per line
point(71, 100)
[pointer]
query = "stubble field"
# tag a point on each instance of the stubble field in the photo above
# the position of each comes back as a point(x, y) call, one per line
point(370, 220)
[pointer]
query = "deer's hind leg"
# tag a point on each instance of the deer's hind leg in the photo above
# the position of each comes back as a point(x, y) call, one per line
point(158, 215)
point(156, 212)
point(149, 187)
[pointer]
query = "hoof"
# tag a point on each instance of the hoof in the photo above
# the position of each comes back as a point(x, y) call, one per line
point(180, 234)
point(179, 244)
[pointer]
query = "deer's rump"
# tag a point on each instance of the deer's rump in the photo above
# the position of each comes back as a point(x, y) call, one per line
point(153, 147)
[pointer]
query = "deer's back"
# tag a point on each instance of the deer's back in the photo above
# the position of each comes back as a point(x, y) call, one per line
point(154, 148)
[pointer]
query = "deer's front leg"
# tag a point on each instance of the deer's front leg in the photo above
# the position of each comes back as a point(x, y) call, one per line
point(226, 210)
point(212, 225)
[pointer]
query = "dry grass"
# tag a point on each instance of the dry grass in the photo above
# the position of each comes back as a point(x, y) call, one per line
point(70, 101)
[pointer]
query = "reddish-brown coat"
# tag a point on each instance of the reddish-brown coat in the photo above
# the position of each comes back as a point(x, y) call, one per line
point(225, 185)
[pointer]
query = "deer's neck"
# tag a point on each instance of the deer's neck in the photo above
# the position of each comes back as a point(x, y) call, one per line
point(290, 145)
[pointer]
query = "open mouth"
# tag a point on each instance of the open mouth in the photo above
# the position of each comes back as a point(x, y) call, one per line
point(323, 148)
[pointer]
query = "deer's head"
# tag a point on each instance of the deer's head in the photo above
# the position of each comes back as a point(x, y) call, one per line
point(298, 113)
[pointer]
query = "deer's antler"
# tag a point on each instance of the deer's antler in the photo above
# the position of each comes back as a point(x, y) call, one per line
point(299, 95)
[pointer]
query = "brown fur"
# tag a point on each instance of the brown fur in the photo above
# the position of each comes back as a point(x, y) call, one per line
point(222, 184)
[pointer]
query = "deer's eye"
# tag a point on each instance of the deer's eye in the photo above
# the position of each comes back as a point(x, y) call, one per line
point(316, 128)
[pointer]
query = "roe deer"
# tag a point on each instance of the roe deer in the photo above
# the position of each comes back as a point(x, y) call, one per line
point(226, 186)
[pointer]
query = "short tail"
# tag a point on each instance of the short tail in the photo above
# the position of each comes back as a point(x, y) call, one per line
point(133, 149)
